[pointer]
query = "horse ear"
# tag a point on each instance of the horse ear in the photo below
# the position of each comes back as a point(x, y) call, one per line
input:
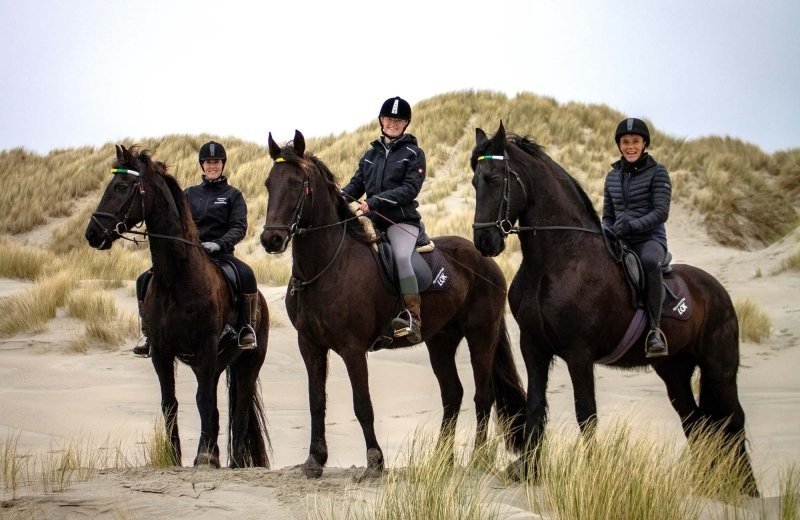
point(299, 143)
point(501, 131)
point(480, 136)
point(120, 156)
point(274, 149)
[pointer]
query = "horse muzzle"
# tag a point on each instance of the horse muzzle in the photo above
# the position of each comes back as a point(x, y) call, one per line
point(275, 241)
point(489, 241)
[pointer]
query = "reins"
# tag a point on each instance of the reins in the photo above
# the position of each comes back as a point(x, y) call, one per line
point(503, 223)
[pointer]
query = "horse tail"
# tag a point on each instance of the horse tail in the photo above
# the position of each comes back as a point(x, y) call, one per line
point(509, 394)
point(255, 443)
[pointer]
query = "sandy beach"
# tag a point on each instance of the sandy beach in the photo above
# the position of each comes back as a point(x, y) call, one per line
point(50, 396)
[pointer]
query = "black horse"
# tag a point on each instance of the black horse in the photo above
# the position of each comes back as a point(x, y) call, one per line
point(337, 301)
point(571, 299)
point(187, 308)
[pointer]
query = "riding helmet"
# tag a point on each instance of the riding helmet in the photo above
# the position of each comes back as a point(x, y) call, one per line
point(397, 108)
point(212, 150)
point(632, 126)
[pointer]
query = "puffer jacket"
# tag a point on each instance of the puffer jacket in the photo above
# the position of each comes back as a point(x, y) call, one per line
point(639, 193)
point(391, 176)
point(219, 211)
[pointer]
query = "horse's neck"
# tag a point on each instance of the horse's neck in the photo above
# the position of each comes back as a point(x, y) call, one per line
point(314, 250)
point(162, 217)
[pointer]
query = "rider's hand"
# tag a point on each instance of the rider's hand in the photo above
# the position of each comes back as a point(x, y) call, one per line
point(364, 207)
point(622, 228)
point(211, 247)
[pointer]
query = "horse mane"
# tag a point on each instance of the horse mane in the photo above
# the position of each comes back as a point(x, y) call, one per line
point(534, 150)
point(308, 162)
point(161, 169)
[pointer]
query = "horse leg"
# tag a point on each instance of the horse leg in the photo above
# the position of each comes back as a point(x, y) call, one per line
point(247, 424)
point(537, 365)
point(581, 374)
point(165, 369)
point(441, 352)
point(676, 372)
point(206, 398)
point(356, 363)
point(316, 361)
point(719, 399)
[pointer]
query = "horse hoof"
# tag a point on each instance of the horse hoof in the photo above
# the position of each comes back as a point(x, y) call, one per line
point(206, 460)
point(516, 471)
point(311, 469)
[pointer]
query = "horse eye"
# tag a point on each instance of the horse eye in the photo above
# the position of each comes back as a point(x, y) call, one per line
point(121, 188)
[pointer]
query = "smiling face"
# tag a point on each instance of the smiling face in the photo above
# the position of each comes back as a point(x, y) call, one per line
point(393, 127)
point(631, 146)
point(212, 168)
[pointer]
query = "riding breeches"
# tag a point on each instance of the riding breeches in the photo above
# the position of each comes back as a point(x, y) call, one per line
point(651, 254)
point(403, 238)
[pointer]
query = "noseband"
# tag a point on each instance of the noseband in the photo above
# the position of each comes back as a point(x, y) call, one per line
point(119, 226)
point(503, 222)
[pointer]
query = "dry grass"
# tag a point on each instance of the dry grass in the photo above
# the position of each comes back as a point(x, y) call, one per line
point(790, 263)
point(754, 324)
point(33, 308)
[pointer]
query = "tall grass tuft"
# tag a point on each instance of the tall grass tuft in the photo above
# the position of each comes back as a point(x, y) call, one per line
point(754, 324)
point(158, 451)
point(19, 261)
point(30, 310)
point(790, 263)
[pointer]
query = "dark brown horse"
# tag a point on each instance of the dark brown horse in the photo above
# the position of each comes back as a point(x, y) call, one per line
point(571, 299)
point(336, 301)
point(187, 307)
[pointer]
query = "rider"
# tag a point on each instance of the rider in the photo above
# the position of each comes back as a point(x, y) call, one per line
point(220, 213)
point(636, 204)
point(391, 173)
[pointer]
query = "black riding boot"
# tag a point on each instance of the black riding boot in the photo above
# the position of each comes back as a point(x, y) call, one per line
point(408, 324)
point(142, 350)
point(656, 342)
point(249, 312)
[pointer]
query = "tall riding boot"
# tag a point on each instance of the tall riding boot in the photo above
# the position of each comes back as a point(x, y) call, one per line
point(408, 323)
point(142, 350)
point(656, 342)
point(249, 313)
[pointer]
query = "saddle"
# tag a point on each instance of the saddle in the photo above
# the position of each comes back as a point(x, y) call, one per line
point(231, 276)
point(430, 266)
point(677, 303)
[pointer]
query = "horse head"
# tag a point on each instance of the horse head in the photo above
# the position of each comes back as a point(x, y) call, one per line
point(498, 198)
point(121, 207)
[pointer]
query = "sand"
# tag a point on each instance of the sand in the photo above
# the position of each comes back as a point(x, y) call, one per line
point(51, 397)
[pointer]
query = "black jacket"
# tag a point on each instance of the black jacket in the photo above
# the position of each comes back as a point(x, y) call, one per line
point(391, 178)
point(220, 212)
point(639, 193)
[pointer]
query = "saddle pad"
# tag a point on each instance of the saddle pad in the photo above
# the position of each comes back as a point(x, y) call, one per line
point(678, 301)
point(440, 269)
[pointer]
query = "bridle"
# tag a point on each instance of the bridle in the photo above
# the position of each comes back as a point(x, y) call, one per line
point(119, 226)
point(293, 228)
point(503, 222)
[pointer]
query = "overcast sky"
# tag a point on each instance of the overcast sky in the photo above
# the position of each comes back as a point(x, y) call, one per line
point(85, 72)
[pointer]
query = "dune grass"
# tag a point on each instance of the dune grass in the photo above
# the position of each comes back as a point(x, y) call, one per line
point(33, 308)
point(618, 474)
point(754, 324)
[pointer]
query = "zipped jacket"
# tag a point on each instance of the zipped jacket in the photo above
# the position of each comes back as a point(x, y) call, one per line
point(391, 176)
point(219, 211)
point(639, 193)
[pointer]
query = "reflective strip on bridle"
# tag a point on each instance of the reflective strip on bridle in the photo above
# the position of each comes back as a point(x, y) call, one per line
point(503, 222)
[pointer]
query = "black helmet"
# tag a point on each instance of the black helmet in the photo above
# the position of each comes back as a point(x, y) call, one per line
point(212, 150)
point(632, 126)
point(396, 107)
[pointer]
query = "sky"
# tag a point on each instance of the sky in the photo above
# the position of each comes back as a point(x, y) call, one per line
point(89, 72)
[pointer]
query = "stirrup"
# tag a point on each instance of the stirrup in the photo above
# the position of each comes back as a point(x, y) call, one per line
point(656, 352)
point(142, 349)
point(402, 326)
point(247, 346)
